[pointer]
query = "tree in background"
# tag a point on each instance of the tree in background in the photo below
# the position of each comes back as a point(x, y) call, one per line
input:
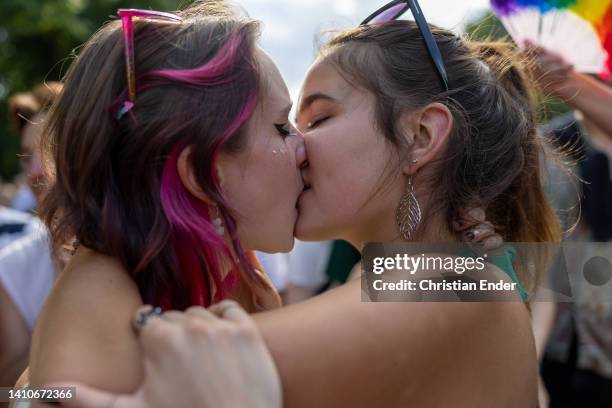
point(37, 42)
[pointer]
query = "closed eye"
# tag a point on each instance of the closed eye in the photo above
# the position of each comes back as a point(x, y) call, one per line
point(282, 129)
point(316, 123)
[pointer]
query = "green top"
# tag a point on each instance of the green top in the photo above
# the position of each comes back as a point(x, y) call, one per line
point(343, 257)
point(502, 257)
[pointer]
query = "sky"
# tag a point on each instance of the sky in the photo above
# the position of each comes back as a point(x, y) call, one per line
point(291, 28)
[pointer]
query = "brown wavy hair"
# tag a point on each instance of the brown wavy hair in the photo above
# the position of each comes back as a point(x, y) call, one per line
point(116, 188)
point(494, 158)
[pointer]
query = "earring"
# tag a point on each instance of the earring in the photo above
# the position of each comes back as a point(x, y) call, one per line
point(408, 213)
point(218, 222)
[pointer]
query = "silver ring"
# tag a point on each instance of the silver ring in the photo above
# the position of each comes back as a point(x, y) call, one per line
point(143, 317)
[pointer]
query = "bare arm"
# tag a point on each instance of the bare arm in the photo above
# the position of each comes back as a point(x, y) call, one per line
point(431, 355)
point(333, 350)
point(543, 314)
point(590, 97)
point(14, 341)
point(84, 331)
point(557, 77)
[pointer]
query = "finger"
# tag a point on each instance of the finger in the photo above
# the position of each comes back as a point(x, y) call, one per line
point(545, 54)
point(143, 315)
point(88, 397)
point(139, 315)
point(471, 225)
point(232, 311)
point(482, 231)
point(174, 316)
point(160, 340)
point(561, 71)
point(468, 219)
point(201, 313)
point(478, 232)
point(480, 236)
point(538, 51)
point(477, 214)
point(532, 46)
point(492, 242)
point(553, 66)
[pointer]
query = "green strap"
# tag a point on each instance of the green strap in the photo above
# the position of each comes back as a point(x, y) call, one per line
point(502, 258)
point(342, 259)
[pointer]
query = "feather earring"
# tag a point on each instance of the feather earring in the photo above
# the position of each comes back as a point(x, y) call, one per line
point(408, 213)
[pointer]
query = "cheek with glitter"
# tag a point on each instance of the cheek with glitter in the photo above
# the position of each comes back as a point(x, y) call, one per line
point(282, 151)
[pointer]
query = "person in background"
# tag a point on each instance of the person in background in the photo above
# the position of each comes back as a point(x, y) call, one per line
point(582, 92)
point(306, 269)
point(574, 340)
point(275, 265)
point(15, 224)
point(27, 267)
point(27, 112)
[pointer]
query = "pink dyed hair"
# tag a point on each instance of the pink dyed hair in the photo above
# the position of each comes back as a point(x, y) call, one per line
point(201, 252)
point(198, 84)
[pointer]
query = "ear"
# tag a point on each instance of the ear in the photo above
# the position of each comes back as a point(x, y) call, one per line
point(431, 128)
point(188, 177)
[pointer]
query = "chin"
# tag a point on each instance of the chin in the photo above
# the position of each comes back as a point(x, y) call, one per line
point(281, 243)
point(274, 249)
point(311, 232)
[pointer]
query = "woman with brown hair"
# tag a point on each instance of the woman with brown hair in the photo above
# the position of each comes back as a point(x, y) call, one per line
point(27, 268)
point(382, 126)
point(449, 131)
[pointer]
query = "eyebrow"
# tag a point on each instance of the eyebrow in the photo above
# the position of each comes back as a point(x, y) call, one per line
point(310, 99)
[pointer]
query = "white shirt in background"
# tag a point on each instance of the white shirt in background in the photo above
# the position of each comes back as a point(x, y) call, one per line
point(27, 273)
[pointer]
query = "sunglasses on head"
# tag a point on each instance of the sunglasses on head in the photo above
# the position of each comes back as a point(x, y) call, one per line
point(393, 10)
point(127, 25)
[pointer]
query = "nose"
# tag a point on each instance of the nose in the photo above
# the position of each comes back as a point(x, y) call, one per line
point(301, 157)
point(34, 168)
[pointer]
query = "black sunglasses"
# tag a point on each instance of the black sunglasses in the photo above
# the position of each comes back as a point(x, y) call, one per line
point(393, 10)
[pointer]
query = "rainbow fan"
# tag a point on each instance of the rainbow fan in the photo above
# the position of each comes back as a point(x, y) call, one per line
point(579, 30)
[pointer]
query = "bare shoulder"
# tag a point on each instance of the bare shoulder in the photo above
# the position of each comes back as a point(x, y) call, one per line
point(84, 330)
point(425, 354)
point(483, 352)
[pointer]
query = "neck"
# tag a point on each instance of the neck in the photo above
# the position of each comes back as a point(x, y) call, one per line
point(433, 228)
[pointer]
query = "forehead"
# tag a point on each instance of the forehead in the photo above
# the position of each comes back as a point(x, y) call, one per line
point(320, 74)
point(274, 88)
point(324, 78)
